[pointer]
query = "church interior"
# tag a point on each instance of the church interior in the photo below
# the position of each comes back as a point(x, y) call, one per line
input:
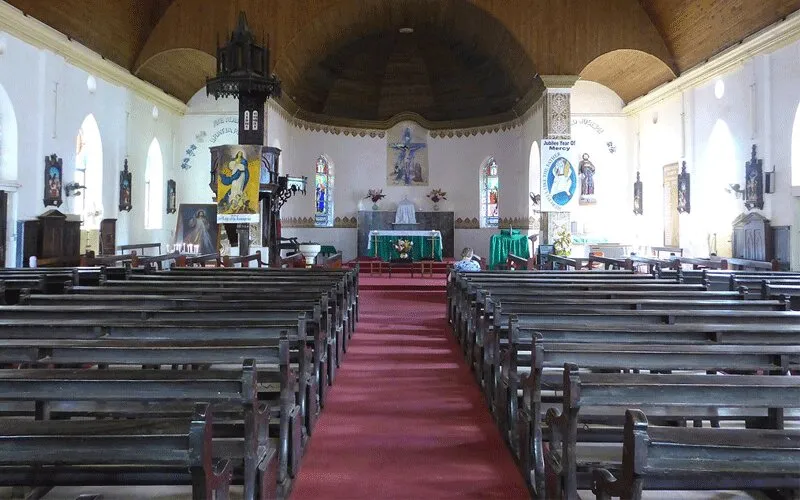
point(399, 249)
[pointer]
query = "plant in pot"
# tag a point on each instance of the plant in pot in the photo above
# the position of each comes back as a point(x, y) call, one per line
point(375, 195)
point(310, 251)
point(562, 245)
point(436, 195)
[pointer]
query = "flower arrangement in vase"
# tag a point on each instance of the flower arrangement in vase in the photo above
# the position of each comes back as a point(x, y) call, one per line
point(375, 195)
point(403, 247)
point(436, 195)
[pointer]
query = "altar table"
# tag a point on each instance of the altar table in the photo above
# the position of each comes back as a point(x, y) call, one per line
point(427, 244)
point(500, 245)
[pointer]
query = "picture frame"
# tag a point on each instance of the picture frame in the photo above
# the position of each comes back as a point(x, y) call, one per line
point(53, 180)
point(171, 197)
point(684, 191)
point(125, 189)
point(754, 182)
point(638, 196)
point(197, 226)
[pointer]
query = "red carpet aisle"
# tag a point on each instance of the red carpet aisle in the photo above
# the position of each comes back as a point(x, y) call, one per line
point(405, 419)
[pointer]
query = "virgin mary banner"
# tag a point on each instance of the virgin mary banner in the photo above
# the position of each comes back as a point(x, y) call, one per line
point(559, 178)
point(238, 170)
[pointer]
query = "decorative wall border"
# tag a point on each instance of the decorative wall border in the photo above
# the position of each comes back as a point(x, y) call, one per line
point(524, 223)
point(308, 223)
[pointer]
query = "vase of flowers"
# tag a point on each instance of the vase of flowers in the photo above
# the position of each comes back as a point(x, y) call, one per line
point(403, 247)
point(375, 195)
point(436, 195)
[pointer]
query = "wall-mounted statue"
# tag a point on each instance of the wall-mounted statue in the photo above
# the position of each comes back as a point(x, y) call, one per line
point(587, 170)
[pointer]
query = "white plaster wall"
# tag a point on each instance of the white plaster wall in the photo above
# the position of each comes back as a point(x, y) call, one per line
point(48, 122)
point(758, 107)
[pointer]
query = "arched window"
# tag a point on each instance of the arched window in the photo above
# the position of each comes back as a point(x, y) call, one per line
point(490, 211)
point(89, 173)
point(153, 187)
point(323, 193)
point(796, 149)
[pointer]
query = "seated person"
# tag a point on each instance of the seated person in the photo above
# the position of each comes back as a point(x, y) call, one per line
point(466, 264)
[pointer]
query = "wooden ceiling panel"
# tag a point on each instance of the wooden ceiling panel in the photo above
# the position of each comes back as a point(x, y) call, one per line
point(508, 42)
point(115, 29)
point(179, 72)
point(629, 73)
point(695, 30)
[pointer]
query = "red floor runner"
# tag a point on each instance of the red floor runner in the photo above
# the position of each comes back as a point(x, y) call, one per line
point(405, 419)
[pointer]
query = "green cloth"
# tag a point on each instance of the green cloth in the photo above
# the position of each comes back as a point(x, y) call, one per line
point(500, 245)
point(424, 247)
point(327, 250)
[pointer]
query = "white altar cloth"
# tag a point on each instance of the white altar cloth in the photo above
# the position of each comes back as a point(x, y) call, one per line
point(387, 232)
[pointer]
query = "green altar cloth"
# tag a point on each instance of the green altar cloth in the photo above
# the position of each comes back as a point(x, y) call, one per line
point(425, 247)
point(504, 243)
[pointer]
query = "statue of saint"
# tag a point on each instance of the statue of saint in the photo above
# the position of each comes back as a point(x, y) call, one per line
point(587, 169)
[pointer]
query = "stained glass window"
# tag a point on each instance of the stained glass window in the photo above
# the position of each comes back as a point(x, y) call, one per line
point(323, 193)
point(490, 213)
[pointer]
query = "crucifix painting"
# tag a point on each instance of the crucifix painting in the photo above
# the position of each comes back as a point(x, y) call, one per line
point(407, 159)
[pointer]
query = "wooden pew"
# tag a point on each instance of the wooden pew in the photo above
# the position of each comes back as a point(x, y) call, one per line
point(734, 263)
point(514, 263)
point(526, 410)
point(160, 309)
point(139, 248)
point(609, 263)
point(114, 452)
point(585, 393)
point(290, 431)
point(497, 338)
point(154, 261)
point(198, 260)
point(243, 260)
point(689, 459)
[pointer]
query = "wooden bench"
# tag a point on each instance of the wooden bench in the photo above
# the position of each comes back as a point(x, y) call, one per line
point(290, 431)
point(243, 260)
point(522, 400)
point(54, 453)
point(585, 393)
point(199, 260)
point(140, 247)
point(150, 394)
point(658, 457)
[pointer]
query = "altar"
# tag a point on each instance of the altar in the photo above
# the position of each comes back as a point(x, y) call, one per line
point(384, 220)
point(426, 244)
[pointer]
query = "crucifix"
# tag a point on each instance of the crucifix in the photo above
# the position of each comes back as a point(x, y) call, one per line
point(404, 164)
point(243, 73)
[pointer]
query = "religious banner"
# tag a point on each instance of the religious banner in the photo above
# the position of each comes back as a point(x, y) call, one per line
point(559, 178)
point(238, 169)
point(407, 157)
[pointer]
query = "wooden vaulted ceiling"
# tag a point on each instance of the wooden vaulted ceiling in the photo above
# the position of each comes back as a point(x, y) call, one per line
point(467, 60)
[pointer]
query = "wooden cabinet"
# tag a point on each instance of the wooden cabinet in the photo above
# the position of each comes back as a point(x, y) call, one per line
point(50, 235)
point(752, 238)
